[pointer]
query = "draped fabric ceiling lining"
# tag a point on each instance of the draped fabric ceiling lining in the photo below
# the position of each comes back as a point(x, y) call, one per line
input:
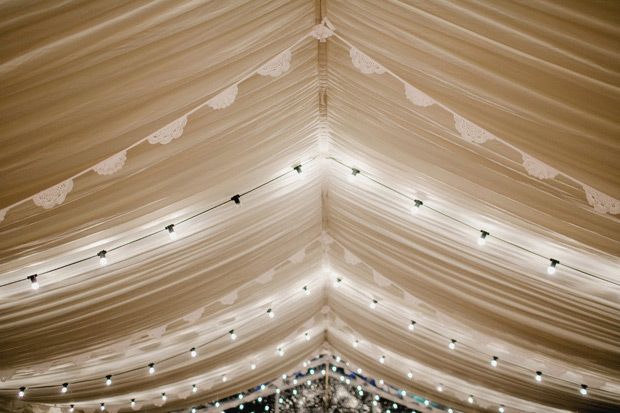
point(81, 81)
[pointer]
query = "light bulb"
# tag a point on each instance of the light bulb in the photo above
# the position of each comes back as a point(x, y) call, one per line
point(163, 396)
point(71, 409)
point(403, 393)
point(584, 390)
point(224, 379)
point(307, 337)
point(333, 368)
point(306, 291)
point(374, 402)
point(102, 406)
point(394, 406)
point(338, 359)
point(253, 366)
point(34, 282)
point(311, 371)
point(411, 326)
point(416, 206)
point(305, 364)
point(171, 233)
point(494, 361)
point(217, 404)
point(470, 399)
point(552, 265)
point(280, 352)
point(280, 400)
point(22, 391)
point(439, 388)
point(381, 382)
point(151, 368)
point(482, 240)
point(323, 372)
point(452, 345)
point(270, 313)
point(284, 376)
point(341, 378)
point(262, 387)
point(501, 409)
point(382, 359)
point(193, 410)
point(133, 402)
point(410, 375)
point(376, 397)
point(299, 171)
point(194, 388)
point(240, 396)
point(65, 387)
point(450, 410)
point(233, 336)
point(538, 376)
point(337, 282)
point(278, 391)
point(260, 399)
point(359, 371)
point(294, 381)
point(373, 304)
point(192, 352)
point(237, 200)
point(266, 408)
point(356, 343)
point(108, 380)
point(241, 407)
point(354, 173)
point(103, 260)
point(426, 402)
point(308, 382)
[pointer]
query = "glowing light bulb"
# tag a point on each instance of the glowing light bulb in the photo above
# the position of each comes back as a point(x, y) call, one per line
point(308, 382)
point(382, 359)
point(439, 388)
point(294, 381)
point(237, 200)
point(164, 397)
point(452, 345)
point(403, 393)
point(323, 372)
point(108, 380)
point(426, 402)
point(266, 408)
point(307, 336)
point(22, 391)
point(341, 378)
point(374, 402)
point(381, 382)
point(224, 379)
point(483, 238)
point(373, 304)
point(337, 282)
point(71, 408)
point(299, 171)
point(354, 173)
point(470, 399)
point(583, 390)
point(34, 282)
point(280, 352)
point(193, 410)
point(262, 387)
point(253, 366)
point(538, 376)
point(192, 352)
point(376, 397)
point(450, 410)
point(241, 407)
point(260, 399)
point(394, 406)
point(411, 326)
point(410, 375)
point(501, 409)
point(552, 265)
point(133, 402)
point(65, 387)
point(494, 361)
point(233, 336)
point(217, 404)
point(173, 235)
point(311, 371)
point(359, 371)
point(102, 406)
point(240, 396)
point(194, 388)
point(280, 400)
point(270, 313)
point(306, 291)
point(416, 206)
point(333, 368)
point(338, 359)
point(277, 391)
point(356, 343)
point(151, 368)
point(103, 260)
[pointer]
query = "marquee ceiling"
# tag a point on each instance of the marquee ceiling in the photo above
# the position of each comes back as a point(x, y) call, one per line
point(84, 82)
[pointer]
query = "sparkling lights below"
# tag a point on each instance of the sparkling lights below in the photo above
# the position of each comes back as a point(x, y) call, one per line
point(270, 313)
point(22, 391)
point(337, 282)
point(194, 388)
point(552, 264)
point(108, 380)
point(382, 359)
point(151, 368)
point(416, 206)
point(192, 352)
point(470, 399)
point(280, 352)
point(494, 361)
point(65, 387)
point(538, 376)
point(34, 282)
point(356, 343)
point(373, 304)
point(354, 173)
point(173, 235)
point(452, 345)
point(411, 326)
point(483, 238)
point(103, 260)
point(233, 336)
point(583, 390)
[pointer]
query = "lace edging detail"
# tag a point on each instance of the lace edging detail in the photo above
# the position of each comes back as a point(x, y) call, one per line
point(111, 165)
point(537, 168)
point(601, 202)
point(169, 132)
point(276, 66)
point(471, 132)
point(53, 196)
point(416, 97)
point(365, 63)
point(224, 98)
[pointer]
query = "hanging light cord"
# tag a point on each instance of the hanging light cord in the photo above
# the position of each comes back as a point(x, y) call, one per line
point(425, 205)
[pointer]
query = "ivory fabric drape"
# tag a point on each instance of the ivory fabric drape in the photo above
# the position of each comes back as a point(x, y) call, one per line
point(83, 81)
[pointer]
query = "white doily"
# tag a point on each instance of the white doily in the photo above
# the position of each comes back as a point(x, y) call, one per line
point(111, 165)
point(601, 202)
point(537, 168)
point(350, 258)
point(470, 132)
point(416, 97)
point(169, 132)
point(380, 280)
point(298, 257)
point(364, 63)
point(224, 99)
point(54, 195)
point(156, 333)
point(3, 213)
point(194, 316)
point(266, 277)
point(230, 298)
point(322, 31)
point(276, 66)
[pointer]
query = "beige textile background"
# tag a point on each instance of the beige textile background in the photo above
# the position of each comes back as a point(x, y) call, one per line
point(80, 81)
